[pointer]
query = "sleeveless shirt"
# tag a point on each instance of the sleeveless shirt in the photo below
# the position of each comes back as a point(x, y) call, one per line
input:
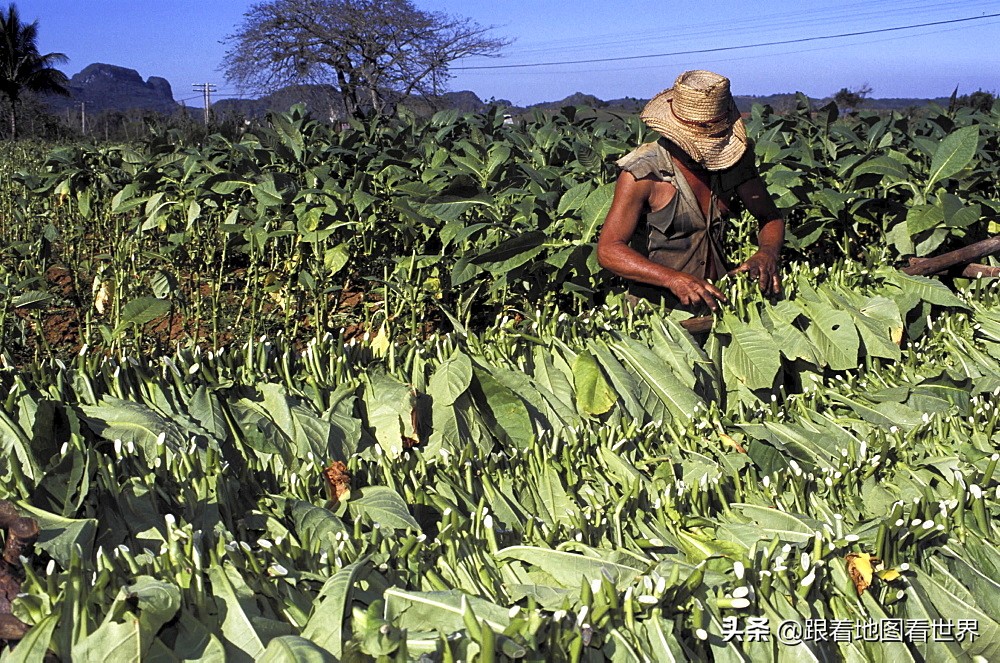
point(680, 236)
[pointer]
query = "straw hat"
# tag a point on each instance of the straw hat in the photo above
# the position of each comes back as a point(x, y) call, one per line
point(699, 115)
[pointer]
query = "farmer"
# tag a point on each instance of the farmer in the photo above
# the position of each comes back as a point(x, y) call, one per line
point(664, 229)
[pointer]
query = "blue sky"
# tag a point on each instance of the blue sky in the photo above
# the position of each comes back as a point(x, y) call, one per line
point(180, 41)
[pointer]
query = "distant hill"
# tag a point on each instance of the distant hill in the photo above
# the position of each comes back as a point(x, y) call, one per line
point(324, 101)
point(110, 87)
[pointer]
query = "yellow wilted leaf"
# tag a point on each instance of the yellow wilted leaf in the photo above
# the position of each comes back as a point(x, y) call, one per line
point(380, 344)
point(278, 297)
point(732, 443)
point(861, 569)
point(102, 295)
point(897, 335)
point(889, 575)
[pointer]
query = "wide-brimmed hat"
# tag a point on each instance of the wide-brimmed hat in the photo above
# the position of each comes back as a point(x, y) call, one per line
point(699, 115)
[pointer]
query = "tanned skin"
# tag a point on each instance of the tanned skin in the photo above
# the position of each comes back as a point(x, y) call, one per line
point(634, 197)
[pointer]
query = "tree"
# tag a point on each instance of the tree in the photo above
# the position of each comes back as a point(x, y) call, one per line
point(979, 100)
point(373, 51)
point(851, 99)
point(22, 67)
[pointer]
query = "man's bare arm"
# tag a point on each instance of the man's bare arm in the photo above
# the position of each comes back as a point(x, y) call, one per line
point(615, 254)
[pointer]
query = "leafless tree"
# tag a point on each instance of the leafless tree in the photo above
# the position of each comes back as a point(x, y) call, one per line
point(373, 51)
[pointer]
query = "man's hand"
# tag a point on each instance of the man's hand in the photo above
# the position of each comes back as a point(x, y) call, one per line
point(691, 290)
point(763, 268)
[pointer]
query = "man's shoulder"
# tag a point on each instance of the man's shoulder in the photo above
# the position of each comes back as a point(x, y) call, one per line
point(649, 159)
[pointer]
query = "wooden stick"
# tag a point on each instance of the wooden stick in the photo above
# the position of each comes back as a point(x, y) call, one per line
point(965, 255)
point(12, 628)
point(970, 271)
point(8, 514)
point(21, 537)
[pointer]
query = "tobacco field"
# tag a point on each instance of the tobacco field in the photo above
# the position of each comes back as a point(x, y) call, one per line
point(312, 394)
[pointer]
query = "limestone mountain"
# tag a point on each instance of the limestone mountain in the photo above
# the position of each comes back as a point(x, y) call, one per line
point(110, 87)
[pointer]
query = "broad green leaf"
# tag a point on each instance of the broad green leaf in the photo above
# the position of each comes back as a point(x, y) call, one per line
point(451, 208)
point(315, 525)
point(595, 209)
point(506, 253)
point(238, 607)
point(550, 598)
point(554, 377)
point(112, 642)
point(204, 408)
point(918, 606)
point(786, 526)
point(384, 506)
point(195, 642)
point(142, 310)
point(266, 191)
point(451, 379)
point(793, 342)
point(157, 600)
point(498, 155)
point(30, 299)
point(389, 405)
point(593, 393)
point(35, 644)
point(628, 386)
point(886, 312)
point(619, 468)
point(441, 611)
point(923, 217)
point(899, 237)
point(883, 165)
point(277, 406)
point(335, 258)
point(574, 198)
point(570, 569)
point(811, 446)
point(679, 399)
point(663, 641)
point(922, 288)
point(976, 580)
point(16, 445)
point(295, 649)
point(834, 335)
point(751, 357)
point(60, 535)
point(554, 503)
point(956, 603)
point(325, 625)
point(618, 648)
point(684, 356)
point(953, 154)
point(505, 408)
point(886, 415)
point(133, 422)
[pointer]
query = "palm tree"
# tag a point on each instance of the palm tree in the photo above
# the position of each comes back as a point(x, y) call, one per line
point(22, 67)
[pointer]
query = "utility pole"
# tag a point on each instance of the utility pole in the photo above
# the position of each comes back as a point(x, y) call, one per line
point(206, 89)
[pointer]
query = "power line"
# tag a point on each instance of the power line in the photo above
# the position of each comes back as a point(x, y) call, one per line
point(786, 21)
point(735, 58)
point(728, 48)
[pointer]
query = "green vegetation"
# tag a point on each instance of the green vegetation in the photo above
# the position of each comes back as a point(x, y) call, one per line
point(22, 67)
point(535, 471)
